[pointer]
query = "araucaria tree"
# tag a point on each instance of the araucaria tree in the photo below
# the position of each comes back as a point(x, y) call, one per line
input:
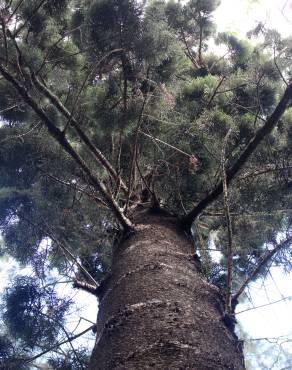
point(129, 150)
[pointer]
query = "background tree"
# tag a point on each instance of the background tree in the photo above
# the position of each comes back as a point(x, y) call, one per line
point(115, 115)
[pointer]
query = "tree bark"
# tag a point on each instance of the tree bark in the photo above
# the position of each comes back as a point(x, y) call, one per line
point(156, 311)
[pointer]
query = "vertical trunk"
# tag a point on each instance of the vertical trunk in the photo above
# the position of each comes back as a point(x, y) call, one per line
point(156, 311)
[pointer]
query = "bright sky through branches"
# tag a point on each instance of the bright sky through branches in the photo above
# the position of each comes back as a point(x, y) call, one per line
point(240, 16)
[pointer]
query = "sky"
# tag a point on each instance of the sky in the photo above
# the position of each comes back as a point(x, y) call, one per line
point(269, 321)
point(242, 15)
point(273, 320)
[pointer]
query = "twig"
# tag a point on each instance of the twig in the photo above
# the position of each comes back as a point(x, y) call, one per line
point(20, 136)
point(215, 91)
point(163, 142)
point(228, 307)
point(68, 340)
point(265, 305)
point(49, 49)
point(7, 109)
point(77, 188)
point(134, 153)
point(63, 245)
point(266, 258)
point(278, 69)
point(91, 73)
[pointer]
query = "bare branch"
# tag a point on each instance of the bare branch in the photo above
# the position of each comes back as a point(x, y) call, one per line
point(20, 136)
point(65, 248)
point(228, 307)
point(265, 170)
point(68, 340)
point(264, 260)
point(77, 188)
point(265, 305)
point(251, 147)
point(163, 142)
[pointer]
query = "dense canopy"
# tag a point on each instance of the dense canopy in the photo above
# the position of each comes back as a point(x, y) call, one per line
point(110, 105)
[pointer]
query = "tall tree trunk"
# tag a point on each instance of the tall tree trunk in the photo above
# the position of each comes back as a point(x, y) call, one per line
point(156, 311)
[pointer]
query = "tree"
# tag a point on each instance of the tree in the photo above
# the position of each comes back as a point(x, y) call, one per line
point(126, 148)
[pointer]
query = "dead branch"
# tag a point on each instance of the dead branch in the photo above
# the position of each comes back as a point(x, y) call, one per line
point(263, 171)
point(264, 260)
point(163, 142)
point(70, 185)
point(69, 339)
point(20, 136)
point(65, 248)
point(265, 305)
point(228, 307)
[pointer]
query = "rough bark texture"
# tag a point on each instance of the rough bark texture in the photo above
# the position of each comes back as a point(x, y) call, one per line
point(156, 311)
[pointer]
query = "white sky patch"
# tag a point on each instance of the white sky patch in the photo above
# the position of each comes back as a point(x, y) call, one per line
point(270, 320)
point(240, 16)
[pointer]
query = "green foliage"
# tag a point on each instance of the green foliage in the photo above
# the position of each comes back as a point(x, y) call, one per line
point(130, 72)
point(74, 360)
point(33, 314)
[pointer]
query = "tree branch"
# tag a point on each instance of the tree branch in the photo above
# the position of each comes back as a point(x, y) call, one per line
point(98, 155)
point(19, 29)
point(92, 289)
point(61, 139)
point(264, 305)
point(70, 185)
point(251, 147)
point(68, 340)
point(265, 259)
point(228, 307)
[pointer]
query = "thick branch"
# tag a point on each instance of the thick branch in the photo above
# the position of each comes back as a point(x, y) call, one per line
point(86, 140)
point(251, 147)
point(265, 259)
point(92, 289)
point(61, 139)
